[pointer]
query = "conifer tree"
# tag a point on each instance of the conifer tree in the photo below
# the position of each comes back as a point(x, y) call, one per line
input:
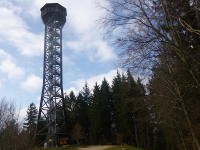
point(105, 111)
point(95, 116)
point(31, 119)
point(115, 105)
point(86, 94)
point(71, 101)
point(141, 88)
point(85, 103)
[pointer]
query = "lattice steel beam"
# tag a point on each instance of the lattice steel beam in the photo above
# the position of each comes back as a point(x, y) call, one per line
point(54, 18)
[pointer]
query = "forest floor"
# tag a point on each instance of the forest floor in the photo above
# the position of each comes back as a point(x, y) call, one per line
point(108, 147)
point(95, 147)
point(101, 147)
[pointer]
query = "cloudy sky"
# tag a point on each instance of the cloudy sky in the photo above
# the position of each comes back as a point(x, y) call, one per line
point(87, 55)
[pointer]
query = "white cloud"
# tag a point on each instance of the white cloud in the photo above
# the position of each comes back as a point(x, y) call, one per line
point(15, 32)
point(82, 15)
point(105, 52)
point(2, 81)
point(38, 98)
point(32, 83)
point(82, 19)
point(67, 61)
point(96, 49)
point(78, 84)
point(11, 69)
point(8, 66)
point(4, 55)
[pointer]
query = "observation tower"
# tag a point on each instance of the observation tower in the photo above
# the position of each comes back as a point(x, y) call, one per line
point(51, 118)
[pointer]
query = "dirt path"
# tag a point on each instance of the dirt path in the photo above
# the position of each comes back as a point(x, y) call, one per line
point(101, 147)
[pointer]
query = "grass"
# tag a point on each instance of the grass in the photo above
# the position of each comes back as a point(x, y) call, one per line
point(75, 148)
point(60, 148)
point(123, 148)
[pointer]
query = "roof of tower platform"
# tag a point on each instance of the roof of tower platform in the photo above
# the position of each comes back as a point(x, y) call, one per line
point(52, 5)
point(54, 10)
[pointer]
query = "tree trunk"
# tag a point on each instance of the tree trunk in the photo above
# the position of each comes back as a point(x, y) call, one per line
point(136, 135)
point(194, 138)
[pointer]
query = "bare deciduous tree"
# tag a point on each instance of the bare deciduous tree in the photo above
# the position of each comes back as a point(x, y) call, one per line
point(12, 137)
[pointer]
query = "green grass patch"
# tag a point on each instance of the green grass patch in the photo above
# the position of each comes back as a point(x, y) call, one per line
point(123, 148)
point(60, 148)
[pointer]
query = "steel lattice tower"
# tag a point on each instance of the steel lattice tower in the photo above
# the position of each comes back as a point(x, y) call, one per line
point(54, 18)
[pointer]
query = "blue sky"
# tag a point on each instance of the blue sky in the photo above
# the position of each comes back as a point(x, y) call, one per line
point(87, 56)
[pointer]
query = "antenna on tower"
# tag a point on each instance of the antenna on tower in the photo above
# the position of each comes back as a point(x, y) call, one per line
point(51, 118)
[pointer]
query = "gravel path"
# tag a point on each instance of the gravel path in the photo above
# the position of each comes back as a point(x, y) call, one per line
point(96, 147)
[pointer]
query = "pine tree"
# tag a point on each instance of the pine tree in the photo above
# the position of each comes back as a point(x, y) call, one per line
point(85, 103)
point(105, 111)
point(115, 103)
point(134, 89)
point(70, 104)
point(31, 119)
point(71, 101)
point(95, 116)
point(86, 94)
point(141, 88)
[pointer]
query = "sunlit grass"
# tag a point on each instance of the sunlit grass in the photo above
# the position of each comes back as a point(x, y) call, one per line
point(123, 148)
point(60, 148)
point(76, 148)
